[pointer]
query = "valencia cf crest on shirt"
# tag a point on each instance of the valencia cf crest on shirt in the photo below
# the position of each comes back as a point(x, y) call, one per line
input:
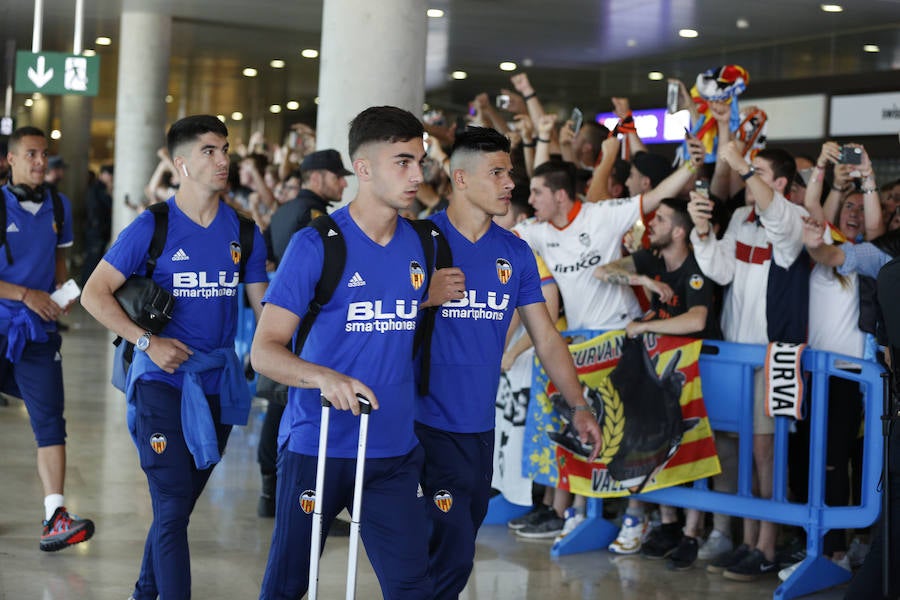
point(696, 281)
point(443, 500)
point(416, 274)
point(235, 252)
point(158, 442)
point(308, 501)
point(504, 270)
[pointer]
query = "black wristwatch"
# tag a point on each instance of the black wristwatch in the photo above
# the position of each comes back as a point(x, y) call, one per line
point(748, 174)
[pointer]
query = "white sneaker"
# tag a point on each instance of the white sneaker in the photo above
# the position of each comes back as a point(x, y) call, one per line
point(843, 563)
point(573, 520)
point(715, 546)
point(630, 535)
point(788, 571)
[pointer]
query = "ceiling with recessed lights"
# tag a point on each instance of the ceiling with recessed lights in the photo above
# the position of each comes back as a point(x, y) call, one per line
point(254, 57)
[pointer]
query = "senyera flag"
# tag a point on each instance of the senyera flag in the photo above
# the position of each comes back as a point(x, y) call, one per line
point(649, 404)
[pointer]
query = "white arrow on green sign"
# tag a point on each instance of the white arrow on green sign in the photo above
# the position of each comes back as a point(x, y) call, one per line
point(57, 73)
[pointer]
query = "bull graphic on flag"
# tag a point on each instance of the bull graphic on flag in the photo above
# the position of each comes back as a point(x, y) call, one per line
point(416, 274)
point(308, 501)
point(158, 442)
point(235, 252)
point(443, 500)
point(650, 409)
point(504, 270)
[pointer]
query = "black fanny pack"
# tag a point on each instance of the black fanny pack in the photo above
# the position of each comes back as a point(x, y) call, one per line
point(146, 303)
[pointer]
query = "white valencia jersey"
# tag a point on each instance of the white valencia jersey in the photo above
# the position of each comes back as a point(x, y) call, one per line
point(592, 238)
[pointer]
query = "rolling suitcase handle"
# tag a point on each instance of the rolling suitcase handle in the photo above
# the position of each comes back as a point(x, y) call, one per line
point(315, 543)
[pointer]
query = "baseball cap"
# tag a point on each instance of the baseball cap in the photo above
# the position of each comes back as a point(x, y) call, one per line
point(324, 160)
point(56, 162)
point(653, 166)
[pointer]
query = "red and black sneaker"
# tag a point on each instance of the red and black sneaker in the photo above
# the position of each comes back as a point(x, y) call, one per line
point(64, 530)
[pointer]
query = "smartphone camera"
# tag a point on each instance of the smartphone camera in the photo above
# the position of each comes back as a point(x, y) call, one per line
point(850, 155)
point(672, 93)
point(503, 101)
point(701, 186)
point(577, 120)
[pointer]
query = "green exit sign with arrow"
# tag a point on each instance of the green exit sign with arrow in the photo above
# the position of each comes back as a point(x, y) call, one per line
point(56, 73)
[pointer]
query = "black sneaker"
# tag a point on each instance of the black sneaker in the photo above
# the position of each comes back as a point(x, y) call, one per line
point(728, 560)
point(751, 568)
point(793, 552)
point(662, 541)
point(64, 530)
point(685, 555)
point(538, 513)
point(547, 528)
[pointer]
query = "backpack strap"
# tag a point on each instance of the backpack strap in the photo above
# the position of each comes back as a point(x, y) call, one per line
point(332, 268)
point(247, 235)
point(437, 256)
point(59, 213)
point(9, 258)
point(160, 212)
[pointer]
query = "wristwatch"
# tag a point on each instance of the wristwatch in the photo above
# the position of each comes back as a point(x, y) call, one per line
point(748, 174)
point(143, 342)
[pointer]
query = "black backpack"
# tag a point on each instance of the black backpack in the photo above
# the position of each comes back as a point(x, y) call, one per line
point(160, 212)
point(59, 215)
point(437, 256)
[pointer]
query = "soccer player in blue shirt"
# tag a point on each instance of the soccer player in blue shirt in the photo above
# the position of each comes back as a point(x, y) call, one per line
point(186, 385)
point(32, 265)
point(361, 342)
point(455, 419)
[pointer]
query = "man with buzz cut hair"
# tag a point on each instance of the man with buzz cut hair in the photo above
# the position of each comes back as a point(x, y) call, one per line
point(186, 385)
point(354, 347)
point(455, 415)
point(32, 265)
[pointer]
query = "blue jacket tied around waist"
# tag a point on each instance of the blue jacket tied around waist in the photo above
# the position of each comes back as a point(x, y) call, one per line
point(196, 419)
point(20, 326)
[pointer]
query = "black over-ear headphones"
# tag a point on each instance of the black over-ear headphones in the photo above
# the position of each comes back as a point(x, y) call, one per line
point(25, 193)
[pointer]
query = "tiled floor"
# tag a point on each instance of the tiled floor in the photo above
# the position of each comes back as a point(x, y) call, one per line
point(228, 542)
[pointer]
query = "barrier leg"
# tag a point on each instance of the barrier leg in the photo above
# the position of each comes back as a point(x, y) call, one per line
point(594, 533)
point(816, 573)
point(501, 510)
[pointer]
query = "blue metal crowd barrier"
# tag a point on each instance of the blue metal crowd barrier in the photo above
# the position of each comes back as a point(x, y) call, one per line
point(726, 371)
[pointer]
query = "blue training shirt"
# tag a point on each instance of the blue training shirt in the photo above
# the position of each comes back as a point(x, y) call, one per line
point(469, 334)
point(33, 241)
point(200, 266)
point(365, 331)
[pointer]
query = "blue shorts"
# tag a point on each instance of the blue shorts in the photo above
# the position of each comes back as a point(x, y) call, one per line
point(393, 525)
point(457, 485)
point(37, 379)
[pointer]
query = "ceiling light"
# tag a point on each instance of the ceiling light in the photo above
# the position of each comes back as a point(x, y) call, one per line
point(309, 53)
point(292, 105)
point(459, 74)
point(742, 23)
point(89, 52)
point(655, 76)
point(277, 64)
point(316, 100)
point(631, 43)
point(249, 72)
point(169, 98)
point(103, 41)
point(237, 116)
point(221, 118)
point(832, 8)
point(688, 33)
point(508, 66)
point(871, 48)
point(275, 109)
point(55, 134)
point(29, 102)
point(435, 13)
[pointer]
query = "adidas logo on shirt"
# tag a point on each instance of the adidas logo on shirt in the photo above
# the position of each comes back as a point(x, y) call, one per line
point(180, 255)
point(12, 228)
point(356, 280)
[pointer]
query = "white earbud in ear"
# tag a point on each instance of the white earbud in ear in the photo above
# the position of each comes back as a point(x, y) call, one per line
point(184, 169)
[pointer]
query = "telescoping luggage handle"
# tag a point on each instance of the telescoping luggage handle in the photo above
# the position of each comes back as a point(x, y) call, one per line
point(365, 408)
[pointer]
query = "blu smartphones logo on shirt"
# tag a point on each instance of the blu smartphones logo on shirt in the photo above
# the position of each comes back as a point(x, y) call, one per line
point(366, 316)
point(470, 307)
point(200, 284)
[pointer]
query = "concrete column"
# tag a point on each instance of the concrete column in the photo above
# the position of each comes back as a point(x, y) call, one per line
point(74, 147)
point(40, 116)
point(145, 44)
point(372, 54)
